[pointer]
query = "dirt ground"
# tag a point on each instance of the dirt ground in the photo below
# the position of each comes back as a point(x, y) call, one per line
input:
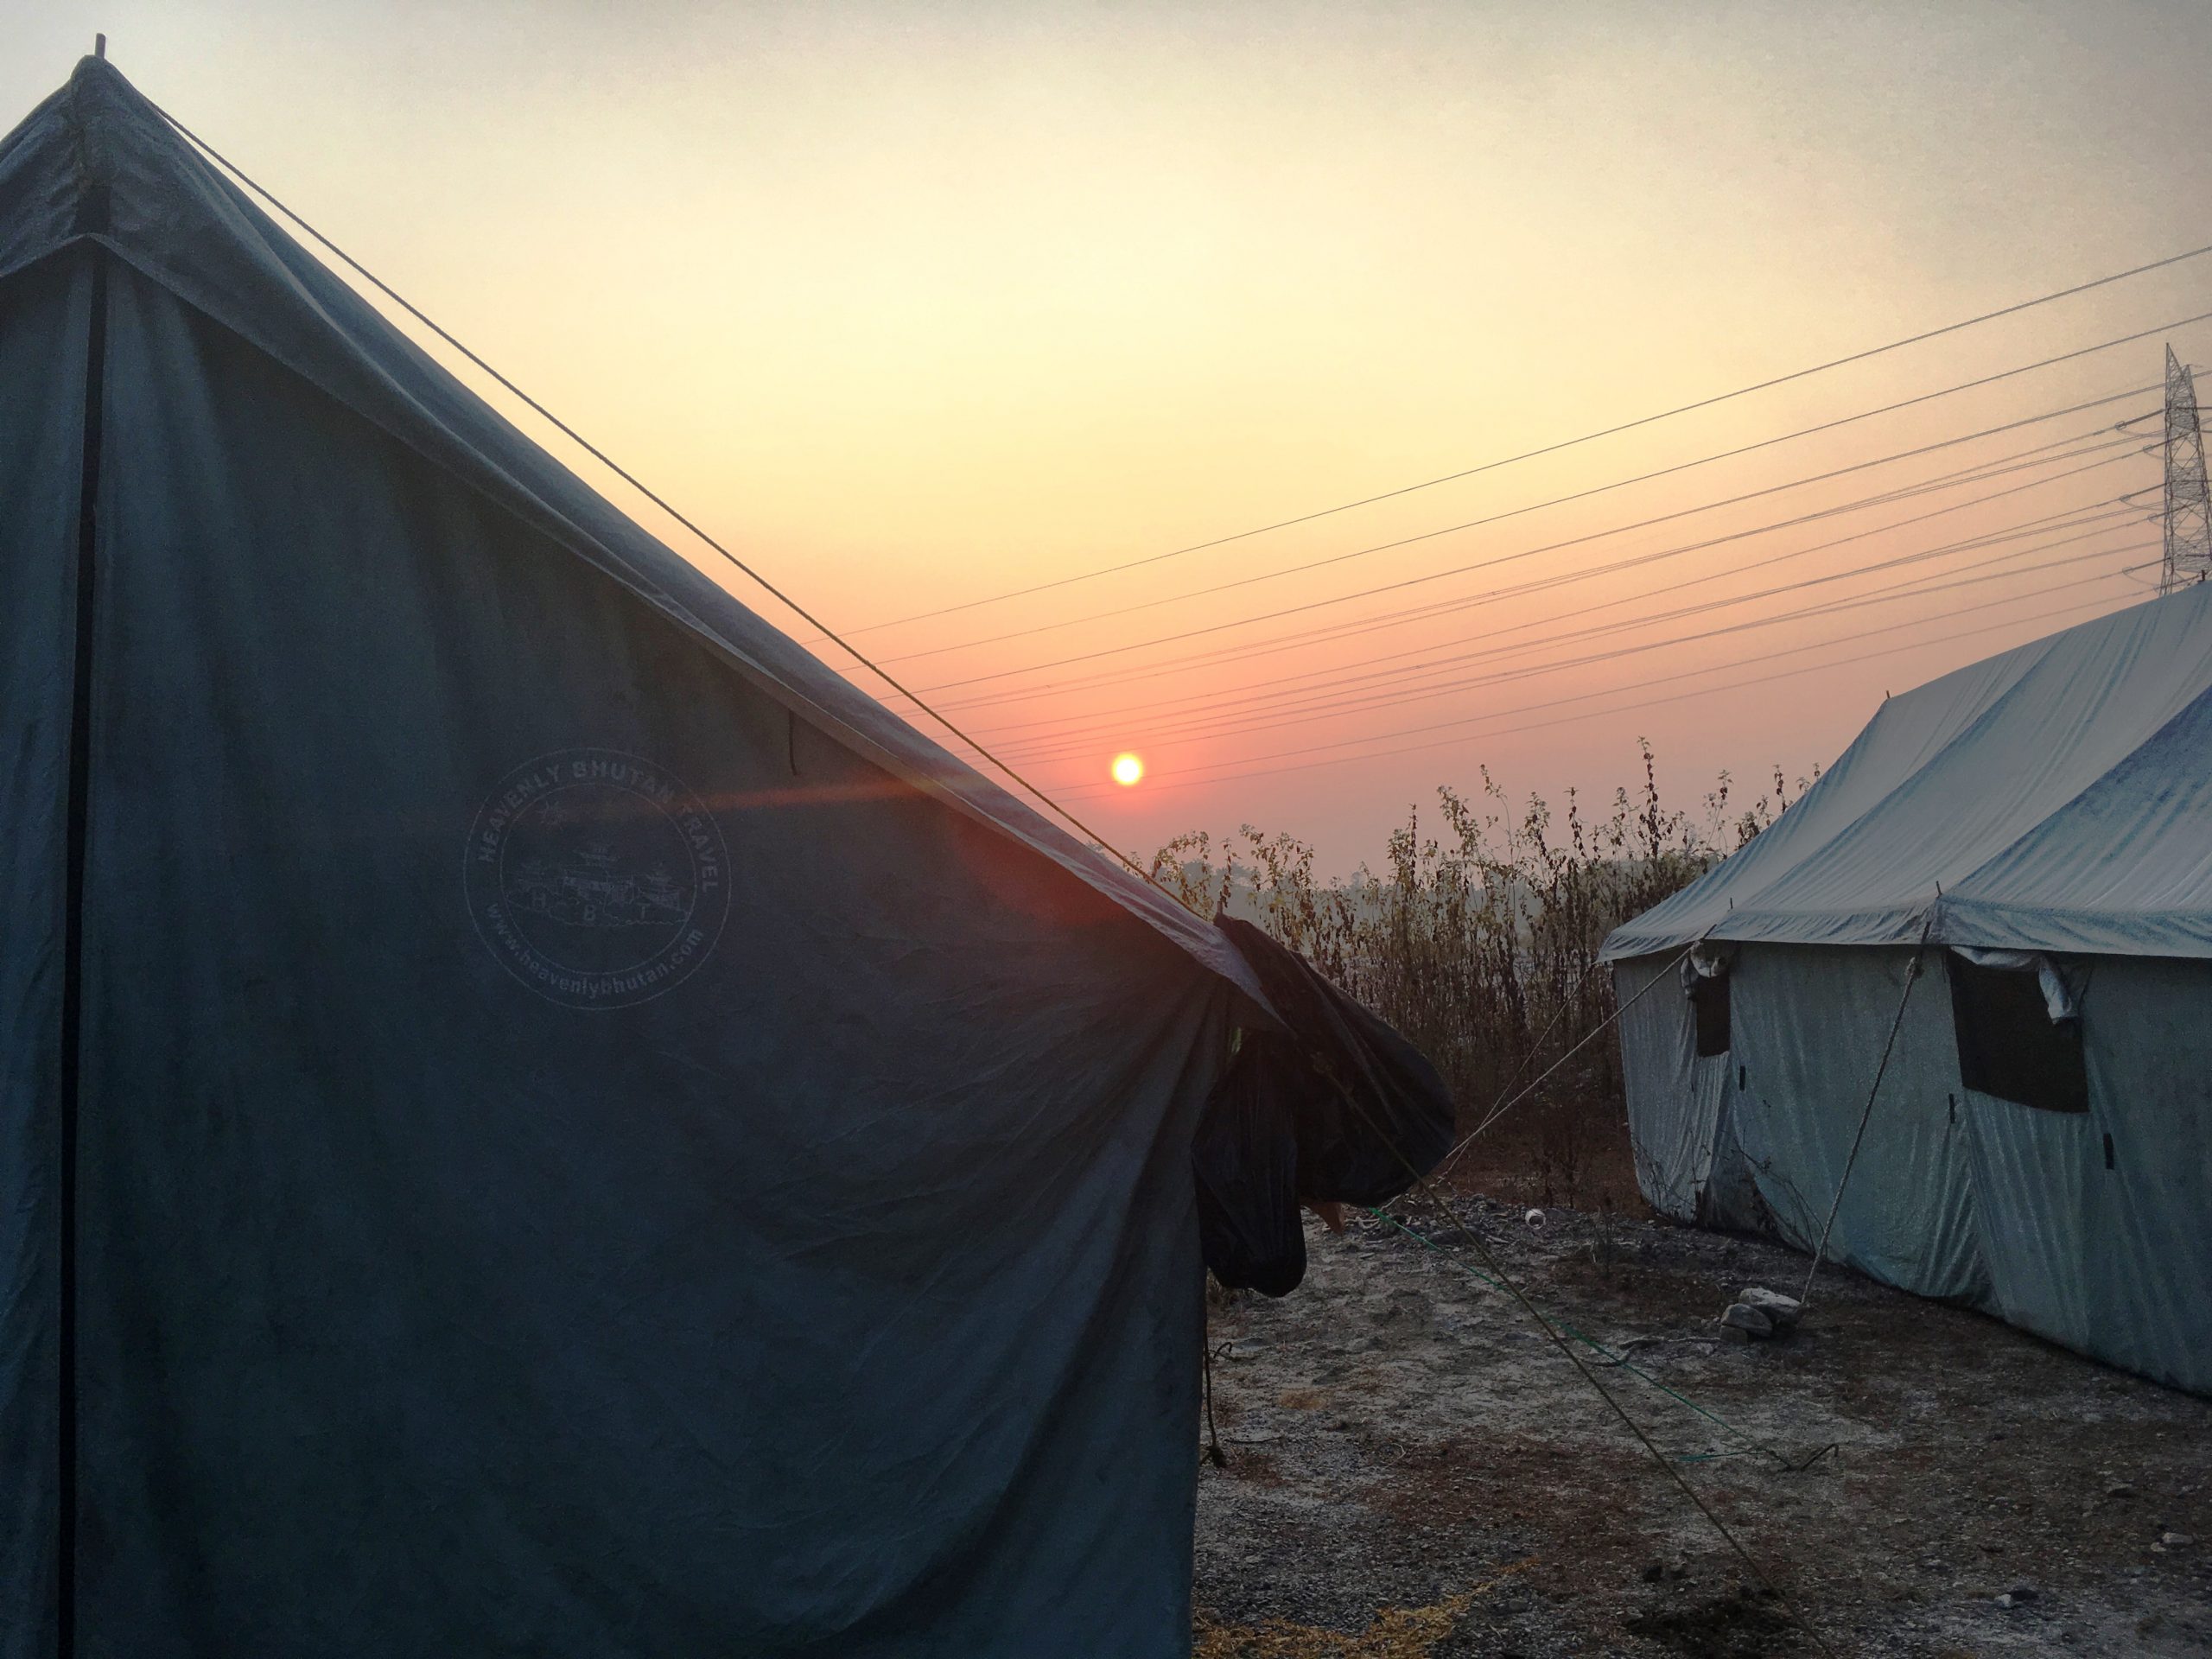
point(1416, 1472)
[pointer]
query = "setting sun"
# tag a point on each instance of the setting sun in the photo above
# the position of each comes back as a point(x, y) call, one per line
point(1127, 769)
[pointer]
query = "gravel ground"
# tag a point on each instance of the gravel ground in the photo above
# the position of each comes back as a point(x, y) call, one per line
point(1416, 1472)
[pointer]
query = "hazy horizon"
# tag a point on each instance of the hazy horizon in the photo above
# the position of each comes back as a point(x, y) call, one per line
point(916, 307)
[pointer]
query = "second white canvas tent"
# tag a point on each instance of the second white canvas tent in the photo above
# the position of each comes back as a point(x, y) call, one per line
point(2041, 1142)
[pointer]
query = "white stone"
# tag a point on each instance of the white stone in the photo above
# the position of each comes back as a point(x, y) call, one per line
point(1750, 1321)
point(1783, 1310)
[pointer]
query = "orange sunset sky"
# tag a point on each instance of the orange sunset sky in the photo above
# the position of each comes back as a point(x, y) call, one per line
point(919, 305)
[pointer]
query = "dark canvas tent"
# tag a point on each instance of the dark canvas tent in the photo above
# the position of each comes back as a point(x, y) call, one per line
point(534, 1118)
point(2041, 1144)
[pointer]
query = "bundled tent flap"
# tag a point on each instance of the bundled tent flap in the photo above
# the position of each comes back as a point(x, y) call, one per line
point(1340, 1109)
point(1245, 1162)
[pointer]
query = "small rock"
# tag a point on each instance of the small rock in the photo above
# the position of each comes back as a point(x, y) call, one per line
point(1246, 1348)
point(2022, 1593)
point(1535, 1219)
point(1783, 1310)
point(1748, 1320)
point(2176, 1539)
point(2121, 1488)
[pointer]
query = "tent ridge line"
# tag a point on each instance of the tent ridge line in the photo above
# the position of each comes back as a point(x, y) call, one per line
point(516, 500)
point(519, 501)
point(197, 147)
point(432, 437)
point(2188, 706)
point(1919, 771)
point(1726, 930)
point(1833, 779)
point(2138, 617)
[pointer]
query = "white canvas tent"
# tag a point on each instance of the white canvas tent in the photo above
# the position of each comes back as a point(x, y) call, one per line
point(2041, 1144)
point(534, 1117)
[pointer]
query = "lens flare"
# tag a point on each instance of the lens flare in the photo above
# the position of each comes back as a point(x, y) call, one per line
point(1127, 769)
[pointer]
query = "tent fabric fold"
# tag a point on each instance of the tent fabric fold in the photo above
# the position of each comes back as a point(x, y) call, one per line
point(1342, 1110)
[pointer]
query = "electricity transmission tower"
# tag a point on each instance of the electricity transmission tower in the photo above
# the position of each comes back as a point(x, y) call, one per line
point(2189, 515)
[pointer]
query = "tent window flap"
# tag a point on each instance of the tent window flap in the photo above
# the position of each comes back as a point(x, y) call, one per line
point(1705, 983)
point(1709, 1003)
point(2009, 1045)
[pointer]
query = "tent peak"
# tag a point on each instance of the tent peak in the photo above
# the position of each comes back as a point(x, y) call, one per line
point(98, 160)
point(96, 94)
point(94, 67)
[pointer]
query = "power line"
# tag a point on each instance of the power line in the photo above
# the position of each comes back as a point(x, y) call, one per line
point(1386, 619)
point(1543, 584)
point(1320, 702)
point(1531, 551)
point(1109, 719)
point(1912, 587)
point(1507, 558)
point(1925, 586)
point(881, 672)
point(1477, 523)
point(1591, 437)
point(1323, 708)
point(635, 483)
point(1160, 783)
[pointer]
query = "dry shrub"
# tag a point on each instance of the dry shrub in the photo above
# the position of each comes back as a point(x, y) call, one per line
point(1478, 938)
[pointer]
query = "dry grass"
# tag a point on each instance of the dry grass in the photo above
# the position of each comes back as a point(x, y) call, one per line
point(1396, 1633)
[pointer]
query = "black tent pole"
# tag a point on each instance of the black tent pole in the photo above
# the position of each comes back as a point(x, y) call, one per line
point(92, 221)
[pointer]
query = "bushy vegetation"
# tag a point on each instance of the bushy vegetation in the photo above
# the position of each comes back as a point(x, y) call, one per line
point(1478, 936)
